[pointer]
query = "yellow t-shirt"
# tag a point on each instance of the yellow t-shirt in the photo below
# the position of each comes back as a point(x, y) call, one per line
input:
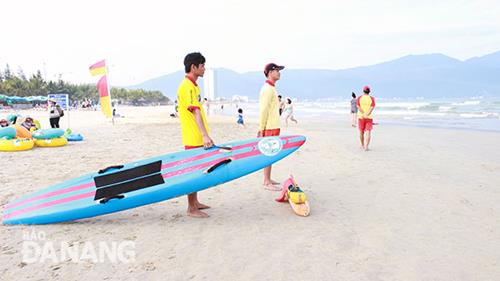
point(188, 98)
point(364, 103)
point(269, 107)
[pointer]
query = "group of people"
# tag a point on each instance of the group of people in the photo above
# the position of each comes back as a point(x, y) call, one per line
point(28, 123)
point(55, 114)
point(285, 109)
point(194, 126)
point(196, 132)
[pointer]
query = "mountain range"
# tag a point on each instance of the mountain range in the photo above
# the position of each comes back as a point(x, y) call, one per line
point(412, 76)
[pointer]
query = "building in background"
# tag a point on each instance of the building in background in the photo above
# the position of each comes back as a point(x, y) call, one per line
point(209, 86)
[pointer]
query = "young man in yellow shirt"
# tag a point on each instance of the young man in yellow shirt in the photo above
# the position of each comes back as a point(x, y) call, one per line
point(366, 104)
point(269, 124)
point(193, 121)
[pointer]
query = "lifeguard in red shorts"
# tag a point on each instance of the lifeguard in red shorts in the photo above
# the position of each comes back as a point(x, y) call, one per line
point(366, 104)
point(269, 124)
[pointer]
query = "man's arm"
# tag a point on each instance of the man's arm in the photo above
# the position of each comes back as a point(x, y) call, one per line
point(207, 141)
point(370, 111)
point(265, 100)
point(372, 106)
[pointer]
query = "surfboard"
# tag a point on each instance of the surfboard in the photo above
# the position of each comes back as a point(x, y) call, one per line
point(302, 208)
point(160, 178)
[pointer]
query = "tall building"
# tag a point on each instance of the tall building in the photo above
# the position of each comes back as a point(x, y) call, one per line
point(209, 86)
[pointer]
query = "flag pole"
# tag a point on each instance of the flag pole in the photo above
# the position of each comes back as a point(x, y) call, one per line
point(109, 95)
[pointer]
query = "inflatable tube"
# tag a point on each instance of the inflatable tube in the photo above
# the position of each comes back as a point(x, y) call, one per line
point(74, 137)
point(16, 144)
point(22, 133)
point(45, 134)
point(37, 124)
point(7, 133)
point(51, 142)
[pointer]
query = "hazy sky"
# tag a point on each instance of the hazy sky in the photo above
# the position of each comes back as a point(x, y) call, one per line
point(145, 39)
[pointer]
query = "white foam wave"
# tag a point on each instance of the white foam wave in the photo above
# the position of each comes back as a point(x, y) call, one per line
point(468, 102)
point(474, 115)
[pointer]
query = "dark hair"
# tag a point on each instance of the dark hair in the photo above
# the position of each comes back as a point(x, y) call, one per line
point(279, 96)
point(193, 59)
point(353, 95)
point(289, 100)
point(240, 111)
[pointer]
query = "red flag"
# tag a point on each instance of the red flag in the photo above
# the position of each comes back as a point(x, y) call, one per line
point(102, 88)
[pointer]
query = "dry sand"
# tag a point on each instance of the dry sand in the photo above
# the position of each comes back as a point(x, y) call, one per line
point(424, 204)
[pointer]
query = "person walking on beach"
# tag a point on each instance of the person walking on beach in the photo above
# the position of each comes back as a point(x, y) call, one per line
point(354, 109)
point(282, 104)
point(55, 113)
point(289, 112)
point(269, 117)
point(240, 121)
point(194, 127)
point(366, 104)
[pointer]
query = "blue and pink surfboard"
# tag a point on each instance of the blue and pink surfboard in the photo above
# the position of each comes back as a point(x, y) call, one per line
point(148, 181)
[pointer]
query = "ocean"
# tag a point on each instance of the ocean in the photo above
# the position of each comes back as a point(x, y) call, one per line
point(476, 113)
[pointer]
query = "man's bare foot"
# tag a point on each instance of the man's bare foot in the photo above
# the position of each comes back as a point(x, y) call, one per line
point(202, 206)
point(275, 182)
point(353, 125)
point(366, 149)
point(197, 214)
point(270, 186)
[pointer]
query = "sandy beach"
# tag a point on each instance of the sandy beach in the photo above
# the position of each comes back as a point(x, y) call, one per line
point(423, 204)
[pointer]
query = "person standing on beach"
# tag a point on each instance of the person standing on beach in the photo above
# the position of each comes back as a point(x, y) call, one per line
point(269, 124)
point(55, 113)
point(366, 104)
point(194, 125)
point(282, 104)
point(354, 109)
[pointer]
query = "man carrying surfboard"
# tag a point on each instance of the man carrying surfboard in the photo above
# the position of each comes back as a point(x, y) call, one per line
point(269, 124)
point(193, 121)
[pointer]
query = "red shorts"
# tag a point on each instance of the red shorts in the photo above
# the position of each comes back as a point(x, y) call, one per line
point(271, 133)
point(187, 147)
point(365, 124)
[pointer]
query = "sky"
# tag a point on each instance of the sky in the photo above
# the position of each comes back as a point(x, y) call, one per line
point(144, 39)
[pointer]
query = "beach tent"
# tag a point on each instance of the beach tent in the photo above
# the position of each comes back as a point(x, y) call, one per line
point(36, 98)
point(16, 99)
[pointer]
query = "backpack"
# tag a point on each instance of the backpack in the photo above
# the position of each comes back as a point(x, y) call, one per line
point(61, 111)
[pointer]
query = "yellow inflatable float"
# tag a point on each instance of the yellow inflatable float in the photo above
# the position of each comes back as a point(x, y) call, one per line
point(55, 142)
point(16, 144)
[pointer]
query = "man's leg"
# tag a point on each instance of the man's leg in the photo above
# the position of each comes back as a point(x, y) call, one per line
point(268, 182)
point(362, 138)
point(193, 210)
point(368, 137)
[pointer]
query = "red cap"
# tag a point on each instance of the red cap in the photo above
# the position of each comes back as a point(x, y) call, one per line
point(272, 66)
point(366, 89)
